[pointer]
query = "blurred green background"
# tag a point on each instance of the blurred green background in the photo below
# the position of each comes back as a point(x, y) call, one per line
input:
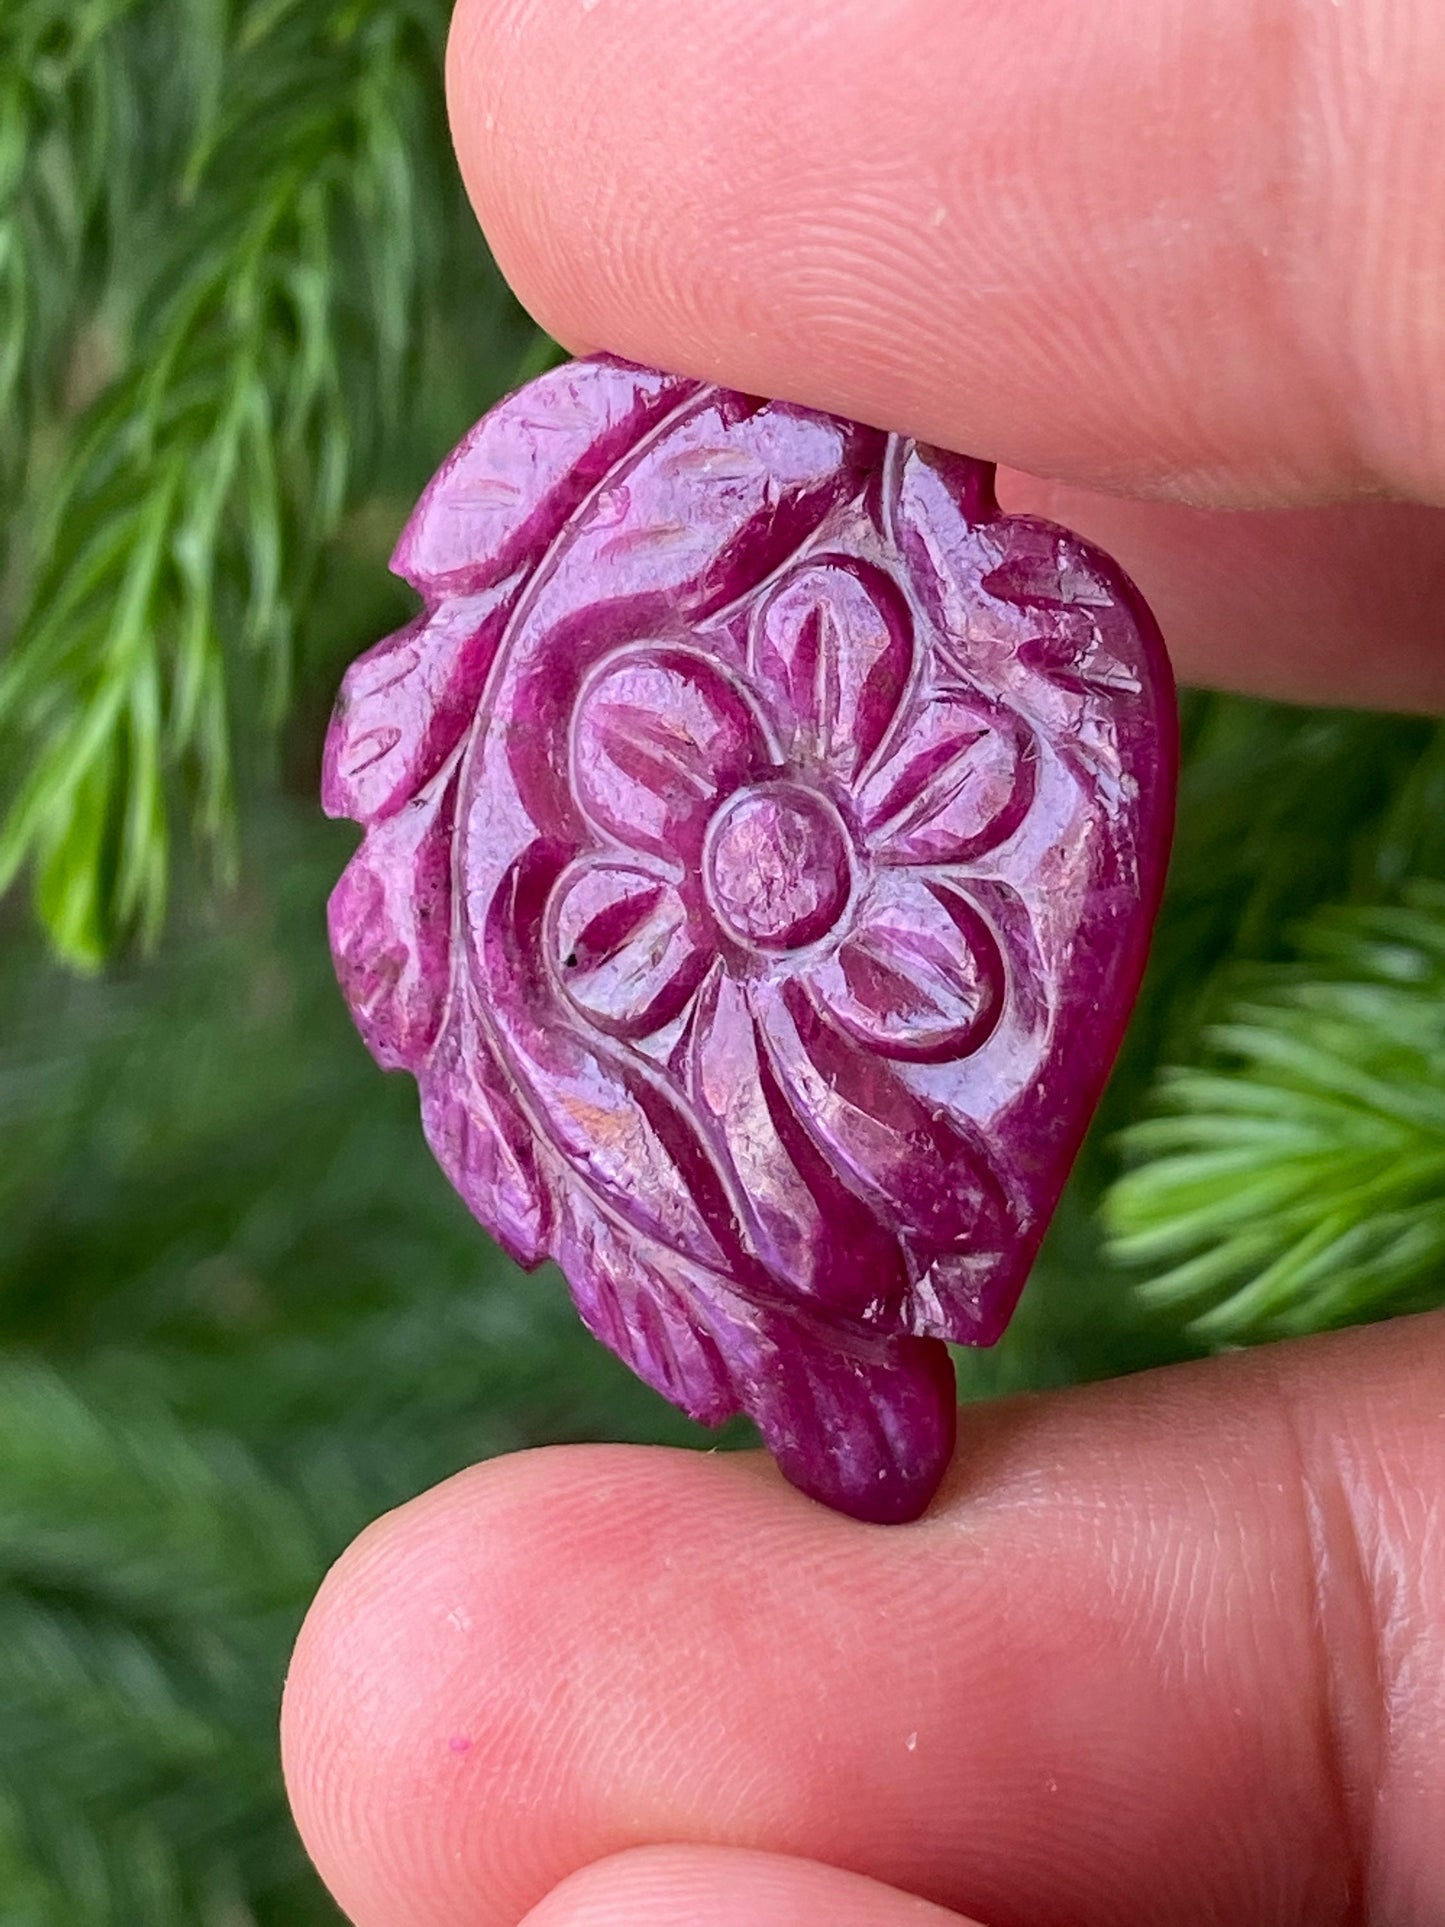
point(243, 312)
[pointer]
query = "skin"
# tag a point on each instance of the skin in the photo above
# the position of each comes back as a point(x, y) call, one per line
point(1165, 1651)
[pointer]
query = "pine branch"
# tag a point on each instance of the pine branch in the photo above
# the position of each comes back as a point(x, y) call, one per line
point(151, 1576)
point(1296, 1178)
point(61, 99)
point(269, 351)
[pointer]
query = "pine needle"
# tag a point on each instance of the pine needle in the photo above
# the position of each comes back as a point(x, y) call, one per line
point(1296, 1179)
point(269, 329)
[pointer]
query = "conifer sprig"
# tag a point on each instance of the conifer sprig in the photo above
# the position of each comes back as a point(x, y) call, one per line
point(1296, 1179)
point(150, 1579)
point(61, 99)
point(168, 553)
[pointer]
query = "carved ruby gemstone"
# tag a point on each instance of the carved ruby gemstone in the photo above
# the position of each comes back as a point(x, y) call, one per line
point(763, 835)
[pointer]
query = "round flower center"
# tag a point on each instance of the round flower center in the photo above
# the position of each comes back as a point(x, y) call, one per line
point(776, 866)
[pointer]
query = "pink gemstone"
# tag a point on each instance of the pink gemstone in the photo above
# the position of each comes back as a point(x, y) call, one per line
point(775, 865)
point(763, 835)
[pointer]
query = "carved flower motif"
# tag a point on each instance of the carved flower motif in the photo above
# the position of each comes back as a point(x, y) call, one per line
point(793, 826)
point(762, 839)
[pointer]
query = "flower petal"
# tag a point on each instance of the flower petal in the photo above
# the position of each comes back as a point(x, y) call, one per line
point(405, 705)
point(833, 642)
point(622, 947)
point(818, 1240)
point(390, 919)
point(501, 496)
point(920, 978)
point(658, 734)
point(958, 783)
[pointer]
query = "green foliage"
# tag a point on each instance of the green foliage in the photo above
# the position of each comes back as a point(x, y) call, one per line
point(1280, 810)
point(147, 1574)
point(61, 101)
point(1297, 1177)
point(219, 228)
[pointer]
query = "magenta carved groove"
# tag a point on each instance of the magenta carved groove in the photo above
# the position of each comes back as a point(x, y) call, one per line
point(763, 835)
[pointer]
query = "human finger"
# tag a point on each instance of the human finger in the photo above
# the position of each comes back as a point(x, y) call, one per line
point(1144, 245)
point(1167, 1650)
point(727, 1887)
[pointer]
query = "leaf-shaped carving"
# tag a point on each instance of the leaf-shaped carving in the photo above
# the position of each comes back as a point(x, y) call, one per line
point(406, 704)
point(1045, 567)
point(482, 1141)
point(818, 1240)
point(1012, 592)
point(699, 517)
point(868, 1122)
point(504, 493)
point(642, 1302)
point(1073, 595)
point(935, 503)
point(390, 919)
point(863, 1423)
point(614, 1119)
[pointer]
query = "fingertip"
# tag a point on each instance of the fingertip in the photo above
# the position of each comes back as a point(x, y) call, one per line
point(390, 1721)
point(370, 1756)
point(436, 1702)
point(1170, 1644)
point(1085, 241)
point(728, 1887)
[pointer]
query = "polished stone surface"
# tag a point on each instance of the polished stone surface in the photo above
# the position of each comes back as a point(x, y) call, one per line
point(763, 835)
